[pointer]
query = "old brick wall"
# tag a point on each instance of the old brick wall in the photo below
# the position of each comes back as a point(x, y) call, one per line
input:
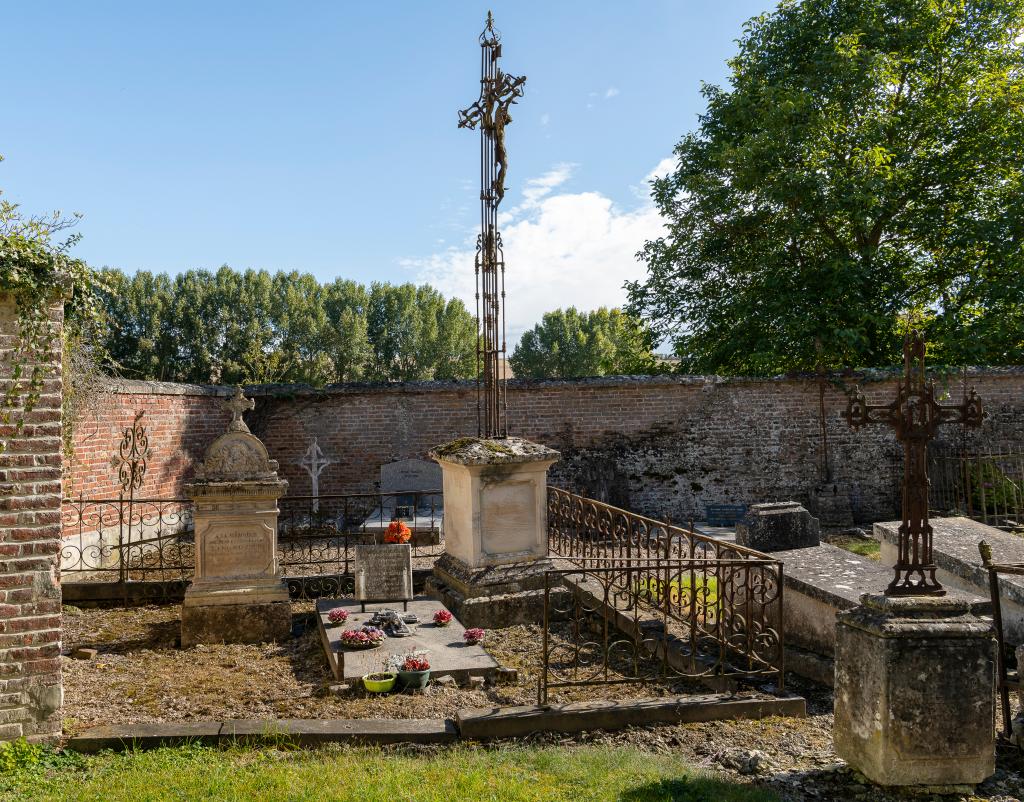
point(660, 445)
point(181, 420)
point(30, 601)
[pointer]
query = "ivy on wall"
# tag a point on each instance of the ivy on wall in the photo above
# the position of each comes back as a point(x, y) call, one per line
point(37, 271)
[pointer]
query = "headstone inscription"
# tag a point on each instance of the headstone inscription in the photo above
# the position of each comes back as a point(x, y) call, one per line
point(383, 573)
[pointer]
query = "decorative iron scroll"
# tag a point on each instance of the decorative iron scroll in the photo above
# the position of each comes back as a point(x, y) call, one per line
point(132, 453)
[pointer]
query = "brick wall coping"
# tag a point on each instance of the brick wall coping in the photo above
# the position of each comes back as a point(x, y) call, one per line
point(139, 387)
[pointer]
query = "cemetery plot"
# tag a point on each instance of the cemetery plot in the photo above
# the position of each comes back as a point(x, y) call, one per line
point(449, 654)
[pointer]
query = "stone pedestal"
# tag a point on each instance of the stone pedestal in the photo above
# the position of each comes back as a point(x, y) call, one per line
point(237, 595)
point(778, 526)
point(915, 690)
point(495, 530)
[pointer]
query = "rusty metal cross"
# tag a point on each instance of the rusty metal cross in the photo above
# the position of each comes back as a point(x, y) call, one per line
point(498, 92)
point(915, 416)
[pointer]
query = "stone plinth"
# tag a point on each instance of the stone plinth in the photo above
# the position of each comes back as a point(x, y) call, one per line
point(237, 595)
point(777, 527)
point(915, 690)
point(495, 530)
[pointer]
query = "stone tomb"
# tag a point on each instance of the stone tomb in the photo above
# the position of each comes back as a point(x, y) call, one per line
point(237, 594)
point(449, 654)
point(383, 573)
point(495, 530)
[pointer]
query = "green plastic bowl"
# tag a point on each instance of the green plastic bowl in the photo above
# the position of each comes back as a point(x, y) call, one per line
point(379, 685)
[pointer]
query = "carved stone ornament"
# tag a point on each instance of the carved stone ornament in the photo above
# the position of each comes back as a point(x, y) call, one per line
point(238, 455)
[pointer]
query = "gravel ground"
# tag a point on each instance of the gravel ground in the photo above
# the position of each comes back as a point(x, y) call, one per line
point(140, 675)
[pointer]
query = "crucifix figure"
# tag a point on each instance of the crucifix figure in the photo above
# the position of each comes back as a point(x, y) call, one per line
point(314, 461)
point(236, 405)
point(498, 92)
point(915, 416)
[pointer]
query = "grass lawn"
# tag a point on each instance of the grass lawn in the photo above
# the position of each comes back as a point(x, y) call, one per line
point(510, 774)
point(864, 547)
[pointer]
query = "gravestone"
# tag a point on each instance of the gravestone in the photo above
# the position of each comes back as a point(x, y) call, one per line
point(237, 594)
point(778, 526)
point(410, 474)
point(383, 573)
point(409, 481)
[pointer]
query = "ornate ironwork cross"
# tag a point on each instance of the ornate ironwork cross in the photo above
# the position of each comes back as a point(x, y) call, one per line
point(915, 415)
point(498, 92)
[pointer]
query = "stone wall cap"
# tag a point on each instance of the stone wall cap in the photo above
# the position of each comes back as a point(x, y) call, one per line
point(916, 606)
point(776, 506)
point(494, 451)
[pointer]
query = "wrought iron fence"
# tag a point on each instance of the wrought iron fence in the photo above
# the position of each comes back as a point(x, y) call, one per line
point(130, 540)
point(651, 600)
point(986, 484)
point(582, 529)
point(666, 620)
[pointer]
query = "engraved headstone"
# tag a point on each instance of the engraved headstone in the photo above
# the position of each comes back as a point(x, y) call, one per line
point(410, 474)
point(383, 573)
point(237, 594)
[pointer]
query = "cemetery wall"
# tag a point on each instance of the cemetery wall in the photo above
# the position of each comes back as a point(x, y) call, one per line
point(658, 445)
point(30, 600)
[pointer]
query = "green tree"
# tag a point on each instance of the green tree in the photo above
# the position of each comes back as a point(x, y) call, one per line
point(569, 343)
point(864, 165)
point(253, 326)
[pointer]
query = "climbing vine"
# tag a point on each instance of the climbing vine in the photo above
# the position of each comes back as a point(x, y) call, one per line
point(37, 271)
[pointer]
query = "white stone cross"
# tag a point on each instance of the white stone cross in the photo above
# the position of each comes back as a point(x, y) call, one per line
point(314, 461)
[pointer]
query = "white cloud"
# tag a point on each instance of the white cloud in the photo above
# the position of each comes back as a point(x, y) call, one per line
point(662, 168)
point(561, 249)
point(545, 119)
point(611, 91)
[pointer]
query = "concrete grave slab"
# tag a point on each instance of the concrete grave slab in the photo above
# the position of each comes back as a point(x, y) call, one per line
point(955, 551)
point(449, 653)
point(822, 581)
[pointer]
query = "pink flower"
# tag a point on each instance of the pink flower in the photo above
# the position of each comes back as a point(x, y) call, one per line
point(442, 618)
point(473, 635)
point(338, 615)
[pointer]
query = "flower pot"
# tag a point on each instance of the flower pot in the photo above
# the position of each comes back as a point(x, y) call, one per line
point(414, 679)
point(379, 685)
point(474, 641)
point(441, 623)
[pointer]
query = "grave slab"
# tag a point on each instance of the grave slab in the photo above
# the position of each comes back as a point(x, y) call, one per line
point(822, 581)
point(449, 653)
point(955, 551)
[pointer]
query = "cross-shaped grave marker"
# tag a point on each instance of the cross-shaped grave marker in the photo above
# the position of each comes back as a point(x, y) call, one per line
point(314, 461)
point(915, 415)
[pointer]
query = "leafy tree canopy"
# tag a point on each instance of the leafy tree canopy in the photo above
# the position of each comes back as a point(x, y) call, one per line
point(568, 343)
point(253, 326)
point(863, 167)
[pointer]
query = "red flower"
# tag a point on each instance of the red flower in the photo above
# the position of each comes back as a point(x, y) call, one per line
point(397, 532)
point(416, 664)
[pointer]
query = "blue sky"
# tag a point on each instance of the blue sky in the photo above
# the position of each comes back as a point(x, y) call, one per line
point(322, 136)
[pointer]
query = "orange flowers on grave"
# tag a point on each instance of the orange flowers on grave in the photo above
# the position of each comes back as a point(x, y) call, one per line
point(397, 532)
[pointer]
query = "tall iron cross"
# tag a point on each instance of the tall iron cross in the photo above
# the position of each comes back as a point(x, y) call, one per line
point(915, 415)
point(490, 113)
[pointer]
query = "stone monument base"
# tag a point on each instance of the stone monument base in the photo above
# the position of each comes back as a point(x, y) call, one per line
point(223, 612)
point(495, 596)
point(915, 691)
